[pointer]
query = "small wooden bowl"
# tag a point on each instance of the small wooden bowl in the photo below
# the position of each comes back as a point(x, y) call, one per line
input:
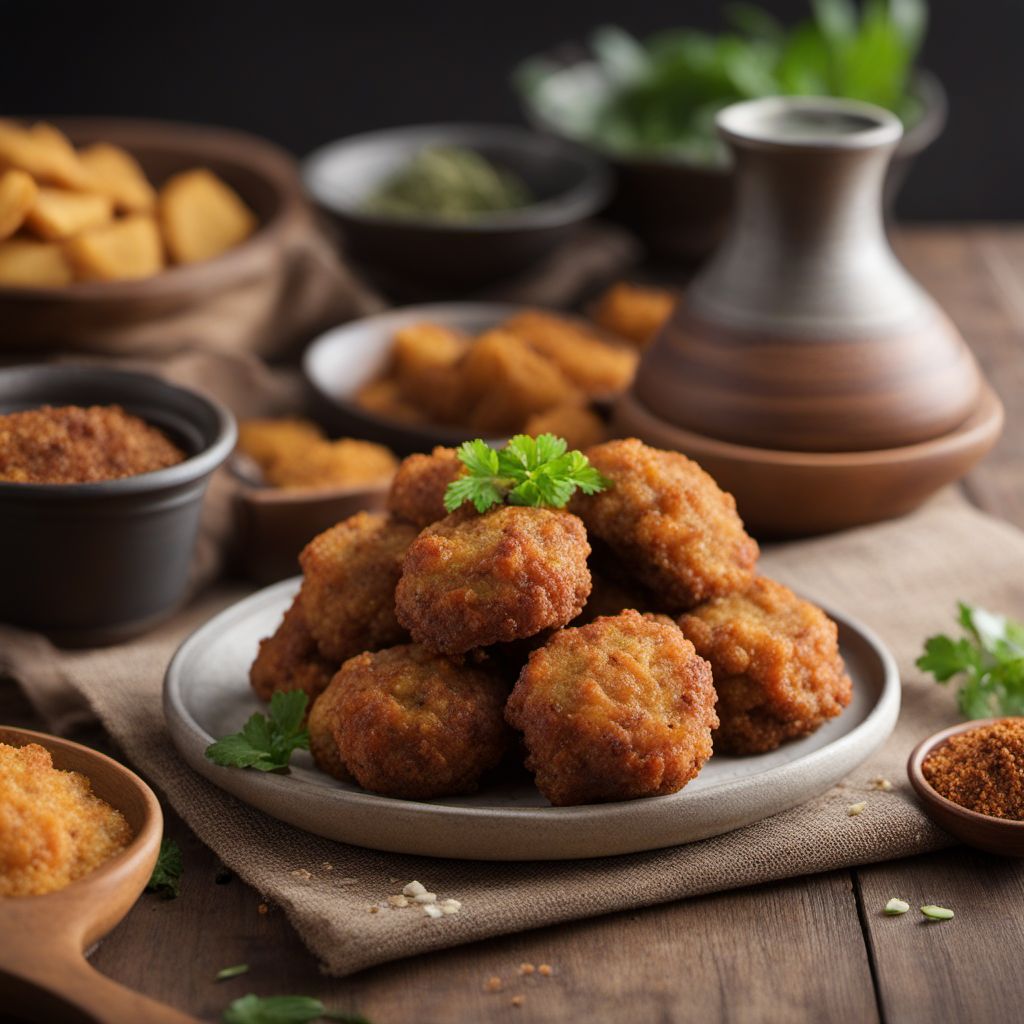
point(793, 494)
point(272, 525)
point(995, 835)
point(43, 939)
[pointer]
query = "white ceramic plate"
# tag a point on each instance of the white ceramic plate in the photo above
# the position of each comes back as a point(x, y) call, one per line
point(207, 695)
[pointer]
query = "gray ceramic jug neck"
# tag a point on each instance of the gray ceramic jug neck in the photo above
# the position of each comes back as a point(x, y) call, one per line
point(806, 251)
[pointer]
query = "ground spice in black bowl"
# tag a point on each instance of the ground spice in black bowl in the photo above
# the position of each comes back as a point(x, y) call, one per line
point(982, 769)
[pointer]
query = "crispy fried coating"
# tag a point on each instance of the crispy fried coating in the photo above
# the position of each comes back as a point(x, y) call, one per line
point(290, 660)
point(383, 398)
point(669, 522)
point(776, 665)
point(634, 311)
point(618, 709)
point(417, 491)
point(424, 362)
point(413, 724)
point(581, 427)
point(322, 719)
point(266, 441)
point(348, 590)
point(344, 462)
point(473, 580)
point(595, 365)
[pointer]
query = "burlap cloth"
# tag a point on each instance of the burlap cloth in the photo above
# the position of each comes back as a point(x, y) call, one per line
point(902, 578)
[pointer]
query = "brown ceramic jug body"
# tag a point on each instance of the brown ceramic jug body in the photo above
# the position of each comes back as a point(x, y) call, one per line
point(804, 332)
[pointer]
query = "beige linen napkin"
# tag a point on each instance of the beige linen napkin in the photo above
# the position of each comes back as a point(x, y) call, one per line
point(902, 578)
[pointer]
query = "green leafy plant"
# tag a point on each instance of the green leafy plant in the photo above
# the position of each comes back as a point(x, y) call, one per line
point(252, 1009)
point(166, 878)
point(662, 95)
point(266, 742)
point(988, 660)
point(527, 471)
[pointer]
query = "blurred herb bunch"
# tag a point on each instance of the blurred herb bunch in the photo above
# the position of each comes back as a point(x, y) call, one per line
point(661, 96)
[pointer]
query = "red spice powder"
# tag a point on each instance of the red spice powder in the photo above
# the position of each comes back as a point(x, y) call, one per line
point(982, 769)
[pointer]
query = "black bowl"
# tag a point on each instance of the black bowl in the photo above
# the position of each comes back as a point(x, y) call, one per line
point(98, 562)
point(570, 185)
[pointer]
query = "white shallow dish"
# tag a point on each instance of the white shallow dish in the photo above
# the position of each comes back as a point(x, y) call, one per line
point(207, 695)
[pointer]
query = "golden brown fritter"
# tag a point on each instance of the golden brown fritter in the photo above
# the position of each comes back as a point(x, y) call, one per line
point(384, 399)
point(412, 724)
point(266, 441)
point(348, 590)
point(619, 709)
point(344, 462)
point(290, 660)
point(594, 364)
point(669, 522)
point(425, 362)
point(634, 311)
point(417, 491)
point(473, 580)
point(322, 720)
point(579, 426)
point(776, 663)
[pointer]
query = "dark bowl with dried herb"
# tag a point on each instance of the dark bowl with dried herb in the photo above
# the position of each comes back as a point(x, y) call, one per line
point(100, 497)
point(458, 204)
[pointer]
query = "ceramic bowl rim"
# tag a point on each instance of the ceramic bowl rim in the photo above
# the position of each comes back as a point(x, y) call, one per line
point(195, 467)
point(579, 201)
point(929, 795)
point(148, 835)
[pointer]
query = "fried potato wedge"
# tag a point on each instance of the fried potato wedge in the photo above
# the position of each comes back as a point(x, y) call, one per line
point(202, 217)
point(128, 248)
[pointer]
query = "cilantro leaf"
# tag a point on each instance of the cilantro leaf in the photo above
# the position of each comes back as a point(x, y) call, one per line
point(532, 471)
point(166, 878)
point(251, 1009)
point(989, 661)
point(266, 743)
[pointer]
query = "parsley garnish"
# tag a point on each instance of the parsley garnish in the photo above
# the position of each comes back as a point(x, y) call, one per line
point(251, 1009)
point(166, 877)
point(527, 471)
point(266, 742)
point(990, 659)
point(231, 972)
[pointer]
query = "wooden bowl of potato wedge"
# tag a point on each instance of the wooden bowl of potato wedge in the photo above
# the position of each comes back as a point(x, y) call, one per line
point(108, 225)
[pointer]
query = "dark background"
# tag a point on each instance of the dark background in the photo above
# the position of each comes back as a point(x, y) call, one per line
point(303, 72)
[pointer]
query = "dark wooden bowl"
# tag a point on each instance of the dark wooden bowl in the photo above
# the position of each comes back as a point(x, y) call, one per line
point(569, 184)
point(43, 939)
point(75, 317)
point(996, 835)
point(792, 494)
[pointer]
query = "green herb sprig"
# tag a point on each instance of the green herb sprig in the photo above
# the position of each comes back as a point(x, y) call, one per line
point(990, 660)
point(266, 742)
point(539, 472)
point(166, 878)
point(252, 1009)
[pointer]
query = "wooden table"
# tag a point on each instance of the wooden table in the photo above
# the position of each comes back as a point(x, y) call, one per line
point(810, 949)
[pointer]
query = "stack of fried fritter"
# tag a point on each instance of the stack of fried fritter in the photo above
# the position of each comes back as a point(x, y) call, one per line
point(449, 631)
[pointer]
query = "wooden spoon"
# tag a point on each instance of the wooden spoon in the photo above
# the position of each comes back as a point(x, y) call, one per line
point(44, 975)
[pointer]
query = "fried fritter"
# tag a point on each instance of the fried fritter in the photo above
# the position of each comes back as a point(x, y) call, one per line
point(610, 595)
point(322, 720)
point(290, 660)
point(579, 426)
point(344, 462)
point(473, 580)
point(670, 522)
point(635, 312)
point(412, 724)
point(424, 362)
point(348, 593)
point(776, 663)
point(619, 709)
point(267, 441)
point(417, 491)
point(595, 365)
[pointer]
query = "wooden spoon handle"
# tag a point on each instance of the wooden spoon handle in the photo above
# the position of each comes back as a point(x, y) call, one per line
point(70, 984)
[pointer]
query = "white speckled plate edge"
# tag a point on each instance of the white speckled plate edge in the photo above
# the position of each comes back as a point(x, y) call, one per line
point(475, 827)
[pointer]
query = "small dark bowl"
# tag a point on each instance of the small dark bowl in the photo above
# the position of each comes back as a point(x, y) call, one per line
point(678, 207)
point(995, 835)
point(98, 562)
point(570, 185)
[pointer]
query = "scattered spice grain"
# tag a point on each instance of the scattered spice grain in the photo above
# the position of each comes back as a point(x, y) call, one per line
point(854, 809)
point(526, 968)
point(517, 1000)
point(545, 969)
point(493, 984)
point(262, 909)
point(982, 769)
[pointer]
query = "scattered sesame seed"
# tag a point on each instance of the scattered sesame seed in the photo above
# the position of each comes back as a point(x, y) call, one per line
point(398, 901)
point(414, 889)
point(327, 866)
point(302, 873)
point(883, 784)
point(493, 984)
point(432, 910)
point(895, 907)
point(450, 906)
point(374, 909)
point(517, 1000)
point(934, 913)
point(854, 809)
point(546, 970)
point(526, 968)
point(425, 897)
point(262, 908)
